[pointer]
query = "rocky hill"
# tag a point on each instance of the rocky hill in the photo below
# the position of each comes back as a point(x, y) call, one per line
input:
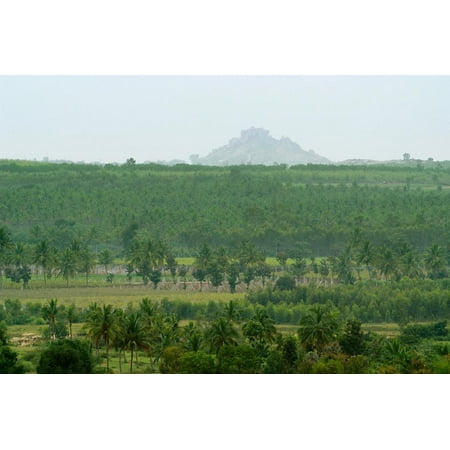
point(257, 146)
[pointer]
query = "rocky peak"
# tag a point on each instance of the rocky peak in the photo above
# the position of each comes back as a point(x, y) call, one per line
point(257, 146)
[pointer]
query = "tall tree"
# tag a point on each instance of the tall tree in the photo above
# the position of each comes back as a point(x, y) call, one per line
point(318, 328)
point(435, 262)
point(49, 313)
point(102, 327)
point(68, 265)
point(366, 256)
point(86, 263)
point(5, 245)
point(71, 317)
point(134, 336)
point(221, 332)
point(105, 258)
point(260, 331)
point(44, 256)
point(387, 263)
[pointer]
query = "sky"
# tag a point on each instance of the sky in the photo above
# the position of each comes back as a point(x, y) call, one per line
point(110, 118)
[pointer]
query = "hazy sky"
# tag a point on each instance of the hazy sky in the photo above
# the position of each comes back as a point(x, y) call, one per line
point(111, 118)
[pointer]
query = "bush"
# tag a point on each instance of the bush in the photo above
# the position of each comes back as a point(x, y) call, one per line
point(66, 356)
point(197, 362)
point(8, 361)
point(285, 283)
point(412, 334)
point(238, 359)
point(357, 364)
point(170, 360)
point(331, 366)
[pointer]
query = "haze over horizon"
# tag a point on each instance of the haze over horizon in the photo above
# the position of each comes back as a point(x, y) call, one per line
point(111, 118)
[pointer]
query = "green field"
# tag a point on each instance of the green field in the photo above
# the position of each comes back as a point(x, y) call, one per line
point(119, 297)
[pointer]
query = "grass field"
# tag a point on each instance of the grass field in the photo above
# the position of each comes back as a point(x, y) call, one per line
point(118, 296)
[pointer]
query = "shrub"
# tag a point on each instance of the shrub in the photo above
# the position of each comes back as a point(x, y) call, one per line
point(197, 362)
point(66, 356)
point(285, 283)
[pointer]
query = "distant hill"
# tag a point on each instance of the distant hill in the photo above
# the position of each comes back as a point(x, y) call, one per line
point(257, 146)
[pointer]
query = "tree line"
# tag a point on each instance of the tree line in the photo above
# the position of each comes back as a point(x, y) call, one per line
point(153, 260)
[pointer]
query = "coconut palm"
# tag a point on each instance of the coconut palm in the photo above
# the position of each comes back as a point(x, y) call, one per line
point(102, 326)
point(260, 331)
point(192, 337)
point(49, 313)
point(148, 312)
point(435, 262)
point(105, 258)
point(387, 263)
point(410, 265)
point(144, 256)
point(44, 256)
point(134, 336)
point(164, 333)
point(230, 311)
point(366, 256)
point(86, 262)
point(221, 332)
point(68, 265)
point(71, 316)
point(5, 245)
point(318, 328)
point(343, 267)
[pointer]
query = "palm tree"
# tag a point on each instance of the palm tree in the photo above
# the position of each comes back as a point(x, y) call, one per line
point(192, 337)
point(5, 245)
point(134, 335)
point(144, 255)
point(410, 265)
point(44, 256)
point(71, 316)
point(87, 262)
point(260, 331)
point(387, 263)
point(366, 256)
point(148, 312)
point(220, 333)
point(164, 333)
point(248, 253)
point(49, 313)
point(230, 311)
point(102, 326)
point(318, 328)
point(19, 254)
point(105, 258)
point(68, 265)
point(343, 266)
point(435, 261)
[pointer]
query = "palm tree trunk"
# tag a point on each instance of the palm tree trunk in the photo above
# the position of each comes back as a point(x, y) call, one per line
point(131, 361)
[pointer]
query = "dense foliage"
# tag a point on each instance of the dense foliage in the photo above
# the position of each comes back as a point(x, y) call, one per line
point(185, 206)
